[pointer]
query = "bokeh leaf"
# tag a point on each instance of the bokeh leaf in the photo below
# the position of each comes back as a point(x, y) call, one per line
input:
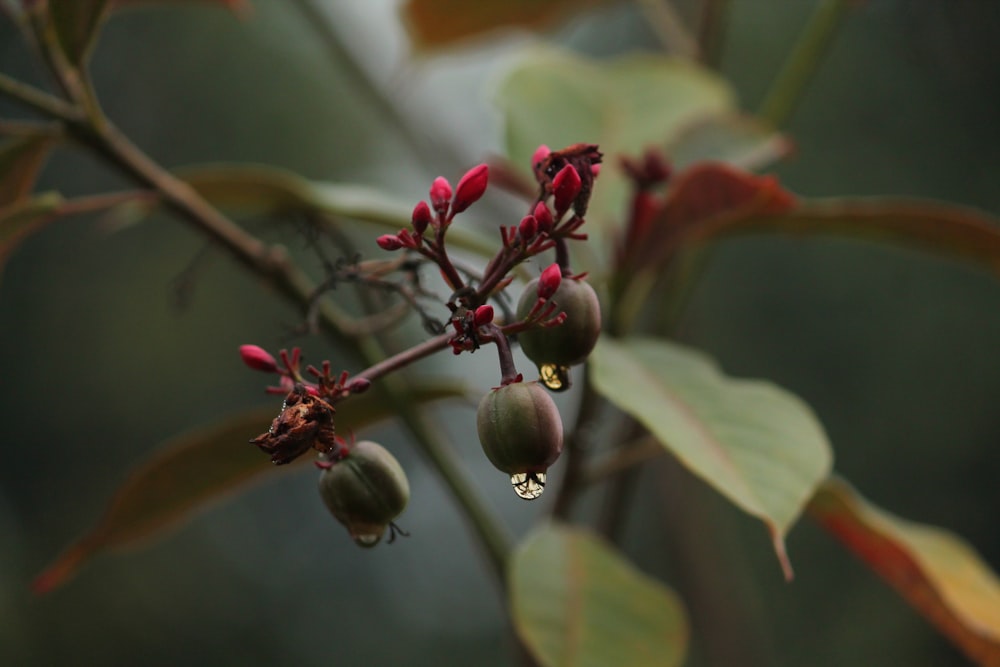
point(195, 469)
point(733, 138)
point(21, 158)
point(935, 571)
point(624, 105)
point(576, 602)
point(438, 23)
point(757, 444)
point(270, 191)
point(937, 227)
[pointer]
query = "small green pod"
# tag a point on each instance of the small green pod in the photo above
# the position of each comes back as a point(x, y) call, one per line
point(520, 429)
point(571, 342)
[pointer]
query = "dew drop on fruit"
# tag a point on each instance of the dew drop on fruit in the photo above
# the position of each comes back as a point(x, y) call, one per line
point(528, 485)
point(554, 377)
point(367, 540)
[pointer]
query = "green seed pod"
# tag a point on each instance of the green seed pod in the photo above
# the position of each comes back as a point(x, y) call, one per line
point(365, 491)
point(571, 342)
point(520, 428)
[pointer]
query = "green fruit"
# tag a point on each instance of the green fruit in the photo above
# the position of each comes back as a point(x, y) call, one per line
point(520, 428)
point(571, 342)
point(365, 491)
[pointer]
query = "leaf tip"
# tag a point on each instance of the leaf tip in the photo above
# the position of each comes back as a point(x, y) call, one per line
point(778, 542)
point(62, 570)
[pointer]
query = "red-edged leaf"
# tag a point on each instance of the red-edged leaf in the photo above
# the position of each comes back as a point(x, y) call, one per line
point(438, 23)
point(706, 196)
point(21, 159)
point(937, 227)
point(194, 470)
point(935, 571)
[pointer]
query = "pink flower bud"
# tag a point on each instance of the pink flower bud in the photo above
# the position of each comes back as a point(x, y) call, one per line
point(528, 227)
point(543, 216)
point(540, 154)
point(484, 315)
point(470, 188)
point(549, 281)
point(421, 217)
point(258, 359)
point(565, 187)
point(440, 194)
point(359, 385)
point(389, 242)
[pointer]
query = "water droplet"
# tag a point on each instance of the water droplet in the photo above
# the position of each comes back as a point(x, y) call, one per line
point(528, 485)
point(555, 377)
point(368, 540)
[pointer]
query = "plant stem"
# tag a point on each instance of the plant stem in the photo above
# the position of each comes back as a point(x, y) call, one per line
point(37, 100)
point(802, 62)
point(711, 30)
point(488, 528)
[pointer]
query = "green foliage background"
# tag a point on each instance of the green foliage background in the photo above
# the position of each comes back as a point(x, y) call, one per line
point(896, 351)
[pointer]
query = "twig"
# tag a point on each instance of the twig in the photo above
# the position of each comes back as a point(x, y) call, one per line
point(802, 62)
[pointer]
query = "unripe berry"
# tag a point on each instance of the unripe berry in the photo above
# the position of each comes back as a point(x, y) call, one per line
point(365, 491)
point(571, 342)
point(520, 428)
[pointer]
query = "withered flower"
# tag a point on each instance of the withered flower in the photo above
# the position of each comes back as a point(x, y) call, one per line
point(305, 421)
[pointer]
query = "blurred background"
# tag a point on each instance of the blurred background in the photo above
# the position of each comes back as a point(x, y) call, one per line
point(897, 351)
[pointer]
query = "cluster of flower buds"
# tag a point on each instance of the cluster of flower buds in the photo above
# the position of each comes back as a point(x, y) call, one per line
point(557, 322)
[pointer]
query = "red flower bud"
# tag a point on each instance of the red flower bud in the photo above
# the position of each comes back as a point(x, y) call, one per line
point(440, 194)
point(565, 187)
point(549, 281)
point(258, 358)
point(528, 227)
point(389, 242)
point(421, 217)
point(470, 188)
point(543, 216)
point(484, 315)
point(359, 385)
point(540, 154)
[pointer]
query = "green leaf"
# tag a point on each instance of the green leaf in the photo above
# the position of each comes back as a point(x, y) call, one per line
point(576, 602)
point(77, 23)
point(736, 139)
point(623, 105)
point(21, 159)
point(757, 444)
point(262, 190)
point(437, 23)
point(937, 227)
point(935, 571)
point(21, 219)
point(195, 469)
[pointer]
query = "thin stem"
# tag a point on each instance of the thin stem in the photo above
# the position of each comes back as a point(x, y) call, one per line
point(626, 457)
point(669, 28)
point(802, 62)
point(406, 357)
point(711, 30)
point(38, 100)
point(579, 443)
point(488, 528)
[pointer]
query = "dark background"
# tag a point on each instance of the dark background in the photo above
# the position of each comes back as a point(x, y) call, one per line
point(895, 350)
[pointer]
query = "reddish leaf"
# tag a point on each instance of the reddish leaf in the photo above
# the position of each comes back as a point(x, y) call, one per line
point(706, 196)
point(194, 470)
point(934, 226)
point(21, 159)
point(935, 571)
point(437, 23)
